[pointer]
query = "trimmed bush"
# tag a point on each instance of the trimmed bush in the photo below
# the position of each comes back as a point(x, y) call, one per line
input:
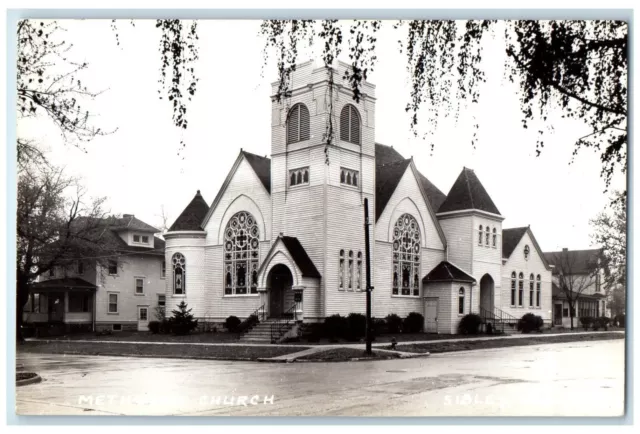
point(601, 323)
point(530, 323)
point(586, 322)
point(379, 326)
point(470, 324)
point(336, 326)
point(312, 332)
point(413, 323)
point(248, 323)
point(618, 320)
point(394, 323)
point(154, 327)
point(232, 323)
point(356, 324)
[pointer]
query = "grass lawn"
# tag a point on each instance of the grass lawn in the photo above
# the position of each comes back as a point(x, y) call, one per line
point(151, 337)
point(157, 350)
point(346, 354)
point(400, 337)
point(446, 347)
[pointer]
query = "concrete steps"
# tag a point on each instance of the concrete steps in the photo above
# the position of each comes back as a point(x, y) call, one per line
point(260, 333)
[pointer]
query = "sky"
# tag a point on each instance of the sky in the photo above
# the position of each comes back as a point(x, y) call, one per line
point(138, 169)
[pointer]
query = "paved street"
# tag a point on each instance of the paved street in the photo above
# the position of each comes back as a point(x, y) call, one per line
point(570, 379)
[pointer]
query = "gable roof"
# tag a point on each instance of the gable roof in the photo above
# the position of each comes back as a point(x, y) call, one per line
point(510, 239)
point(192, 216)
point(386, 155)
point(262, 167)
point(468, 193)
point(63, 283)
point(576, 261)
point(130, 222)
point(388, 176)
point(300, 256)
point(445, 271)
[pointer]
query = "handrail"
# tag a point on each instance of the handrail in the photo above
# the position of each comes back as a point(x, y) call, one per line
point(259, 313)
point(497, 316)
point(279, 324)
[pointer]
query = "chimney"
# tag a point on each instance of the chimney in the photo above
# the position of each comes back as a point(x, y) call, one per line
point(565, 250)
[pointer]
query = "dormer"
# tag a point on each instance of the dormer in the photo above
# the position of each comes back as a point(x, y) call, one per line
point(135, 232)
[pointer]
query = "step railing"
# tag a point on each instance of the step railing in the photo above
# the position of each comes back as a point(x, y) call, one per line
point(497, 317)
point(260, 313)
point(281, 325)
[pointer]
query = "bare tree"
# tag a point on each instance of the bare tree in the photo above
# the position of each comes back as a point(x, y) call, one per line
point(573, 280)
point(164, 219)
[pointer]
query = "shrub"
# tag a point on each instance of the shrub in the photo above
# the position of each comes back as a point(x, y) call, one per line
point(530, 323)
point(248, 323)
point(312, 332)
point(182, 321)
point(154, 327)
point(413, 323)
point(470, 324)
point(356, 326)
point(618, 320)
point(601, 323)
point(586, 322)
point(336, 326)
point(232, 323)
point(394, 323)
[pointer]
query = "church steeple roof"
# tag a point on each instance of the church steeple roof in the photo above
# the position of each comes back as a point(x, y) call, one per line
point(468, 193)
point(192, 216)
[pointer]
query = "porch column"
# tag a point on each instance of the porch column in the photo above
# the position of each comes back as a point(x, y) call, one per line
point(66, 307)
point(297, 298)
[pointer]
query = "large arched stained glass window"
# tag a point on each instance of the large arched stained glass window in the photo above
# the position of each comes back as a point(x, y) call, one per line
point(179, 273)
point(241, 244)
point(406, 256)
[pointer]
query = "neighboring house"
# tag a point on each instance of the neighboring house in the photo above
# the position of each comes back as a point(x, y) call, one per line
point(121, 296)
point(577, 275)
point(285, 235)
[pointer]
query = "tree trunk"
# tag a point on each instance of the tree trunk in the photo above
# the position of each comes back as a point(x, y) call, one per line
point(22, 295)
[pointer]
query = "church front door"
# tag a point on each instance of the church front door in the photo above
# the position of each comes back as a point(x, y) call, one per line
point(280, 280)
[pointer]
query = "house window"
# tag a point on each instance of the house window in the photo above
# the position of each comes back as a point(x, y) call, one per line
point(80, 267)
point(298, 124)
point(113, 303)
point(162, 300)
point(531, 290)
point(350, 124)
point(341, 271)
point(241, 245)
point(598, 282)
point(520, 289)
point(163, 272)
point(487, 237)
point(139, 285)
point(495, 238)
point(526, 252)
point(179, 273)
point(406, 256)
point(299, 176)
point(513, 288)
point(145, 239)
point(350, 278)
point(461, 301)
point(38, 304)
point(349, 177)
point(113, 267)
point(359, 273)
point(78, 303)
point(565, 312)
point(136, 238)
point(538, 290)
point(480, 235)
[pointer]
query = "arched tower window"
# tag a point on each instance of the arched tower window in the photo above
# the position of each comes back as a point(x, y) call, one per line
point(179, 273)
point(461, 301)
point(480, 235)
point(341, 271)
point(298, 126)
point(531, 290)
point(538, 290)
point(350, 281)
point(513, 288)
point(359, 273)
point(487, 236)
point(495, 238)
point(241, 246)
point(350, 124)
point(520, 289)
point(406, 256)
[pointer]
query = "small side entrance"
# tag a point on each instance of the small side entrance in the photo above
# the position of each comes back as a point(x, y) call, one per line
point(557, 314)
point(279, 283)
point(143, 318)
point(431, 315)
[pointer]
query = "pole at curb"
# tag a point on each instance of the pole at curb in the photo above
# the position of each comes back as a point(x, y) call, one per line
point(369, 288)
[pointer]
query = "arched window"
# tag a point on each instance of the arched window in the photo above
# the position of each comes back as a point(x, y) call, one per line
point(487, 236)
point(179, 273)
point(531, 290)
point(495, 238)
point(520, 289)
point(241, 246)
point(359, 274)
point(298, 124)
point(538, 290)
point(341, 271)
point(299, 176)
point(480, 235)
point(461, 301)
point(513, 288)
point(406, 256)
point(350, 282)
point(350, 124)
point(526, 252)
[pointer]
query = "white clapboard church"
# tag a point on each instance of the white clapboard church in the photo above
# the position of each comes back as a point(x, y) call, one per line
point(284, 235)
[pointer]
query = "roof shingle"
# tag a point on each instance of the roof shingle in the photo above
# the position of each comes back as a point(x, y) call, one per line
point(262, 167)
point(300, 256)
point(510, 239)
point(446, 271)
point(468, 193)
point(192, 216)
point(574, 261)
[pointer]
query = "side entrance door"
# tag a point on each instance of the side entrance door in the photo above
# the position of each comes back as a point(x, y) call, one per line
point(431, 315)
point(557, 314)
point(143, 318)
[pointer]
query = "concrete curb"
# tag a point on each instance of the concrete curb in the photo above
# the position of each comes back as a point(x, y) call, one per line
point(28, 381)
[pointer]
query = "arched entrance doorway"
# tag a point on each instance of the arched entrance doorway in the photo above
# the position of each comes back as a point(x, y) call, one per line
point(279, 282)
point(486, 293)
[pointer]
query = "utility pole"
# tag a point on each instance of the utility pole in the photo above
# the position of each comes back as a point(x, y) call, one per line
point(369, 288)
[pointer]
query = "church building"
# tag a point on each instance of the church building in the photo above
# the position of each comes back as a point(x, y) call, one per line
point(285, 235)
